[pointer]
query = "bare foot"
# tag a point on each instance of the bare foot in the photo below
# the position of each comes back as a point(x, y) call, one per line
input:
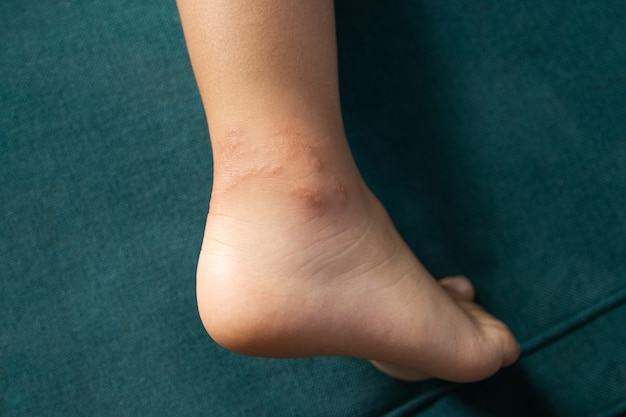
point(308, 263)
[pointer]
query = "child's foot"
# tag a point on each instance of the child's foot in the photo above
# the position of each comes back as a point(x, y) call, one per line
point(308, 263)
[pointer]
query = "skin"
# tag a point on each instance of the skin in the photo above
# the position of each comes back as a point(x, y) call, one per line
point(299, 258)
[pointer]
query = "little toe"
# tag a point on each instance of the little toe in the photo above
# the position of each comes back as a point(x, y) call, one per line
point(459, 287)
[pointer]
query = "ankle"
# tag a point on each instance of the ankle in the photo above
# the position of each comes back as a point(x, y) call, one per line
point(309, 172)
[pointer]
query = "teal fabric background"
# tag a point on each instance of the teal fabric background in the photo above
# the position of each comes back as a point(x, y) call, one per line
point(494, 132)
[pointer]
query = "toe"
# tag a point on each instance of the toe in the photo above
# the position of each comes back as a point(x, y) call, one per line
point(459, 287)
point(499, 336)
point(511, 349)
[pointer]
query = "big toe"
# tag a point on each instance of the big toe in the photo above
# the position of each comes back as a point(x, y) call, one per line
point(500, 336)
point(511, 348)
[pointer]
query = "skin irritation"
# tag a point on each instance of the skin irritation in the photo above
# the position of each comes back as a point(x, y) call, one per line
point(292, 165)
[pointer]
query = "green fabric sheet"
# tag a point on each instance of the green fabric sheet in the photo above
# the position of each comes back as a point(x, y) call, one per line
point(493, 132)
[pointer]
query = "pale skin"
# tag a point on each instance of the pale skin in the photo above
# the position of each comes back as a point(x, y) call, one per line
point(299, 258)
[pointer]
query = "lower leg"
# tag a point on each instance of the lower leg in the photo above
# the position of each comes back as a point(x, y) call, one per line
point(299, 258)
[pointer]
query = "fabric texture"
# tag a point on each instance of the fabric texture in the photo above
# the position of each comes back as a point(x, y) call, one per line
point(493, 132)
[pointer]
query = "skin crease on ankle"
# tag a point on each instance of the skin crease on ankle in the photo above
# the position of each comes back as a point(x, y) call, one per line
point(294, 166)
